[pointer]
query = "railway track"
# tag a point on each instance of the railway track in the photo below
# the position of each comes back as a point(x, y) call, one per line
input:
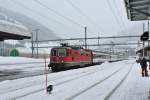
point(74, 76)
point(60, 83)
point(26, 85)
point(118, 85)
point(99, 82)
point(57, 84)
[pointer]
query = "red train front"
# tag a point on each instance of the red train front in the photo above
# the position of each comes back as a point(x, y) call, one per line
point(69, 57)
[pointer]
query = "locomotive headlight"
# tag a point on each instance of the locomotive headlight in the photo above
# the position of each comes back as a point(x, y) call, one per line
point(62, 61)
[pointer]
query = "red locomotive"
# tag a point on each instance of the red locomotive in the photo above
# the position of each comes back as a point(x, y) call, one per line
point(65, 57)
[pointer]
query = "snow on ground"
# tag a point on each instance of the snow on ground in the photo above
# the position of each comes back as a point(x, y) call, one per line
point(115, 81)
point(12, 60)
point(7, 63)
point(134, 87)
point(20, 67)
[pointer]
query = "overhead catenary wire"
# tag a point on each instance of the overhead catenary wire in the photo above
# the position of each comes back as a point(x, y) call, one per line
point(119, 13)
point(109, 44)
point(85, 15)
point(38, 13)
point(136, 36)
point(59, 14)
point(114, 14)
point(18, 19)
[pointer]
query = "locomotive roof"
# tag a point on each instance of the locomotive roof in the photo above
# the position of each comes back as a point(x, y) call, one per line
point(71, 47)
point(60, 47)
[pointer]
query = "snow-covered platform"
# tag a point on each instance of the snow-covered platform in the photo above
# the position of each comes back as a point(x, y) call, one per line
point(19, 67)
point(114, 81)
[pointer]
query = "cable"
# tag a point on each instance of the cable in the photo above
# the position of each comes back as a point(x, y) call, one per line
point(83, 14)
point(89, 38)
point(20, 21)
point(38, 13)
point(113, 12)
point(59, 14)
point(115, 5)
point(118, 44)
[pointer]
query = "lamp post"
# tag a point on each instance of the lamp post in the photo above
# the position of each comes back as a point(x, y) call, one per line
point(85, 37)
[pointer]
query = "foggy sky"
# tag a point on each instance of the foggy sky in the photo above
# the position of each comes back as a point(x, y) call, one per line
point(102, 16)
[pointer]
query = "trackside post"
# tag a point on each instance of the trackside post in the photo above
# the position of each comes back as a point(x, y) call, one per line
point(45, 73)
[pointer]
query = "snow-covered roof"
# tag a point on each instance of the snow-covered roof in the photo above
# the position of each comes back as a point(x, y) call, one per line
point(24, 21)
point(13, 28)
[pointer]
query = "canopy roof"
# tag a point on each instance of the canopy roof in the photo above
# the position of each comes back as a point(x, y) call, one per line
point(6, 35)
point(138, 9)
point(12, 32)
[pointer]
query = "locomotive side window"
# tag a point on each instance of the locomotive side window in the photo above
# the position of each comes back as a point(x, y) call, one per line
point(62, 52)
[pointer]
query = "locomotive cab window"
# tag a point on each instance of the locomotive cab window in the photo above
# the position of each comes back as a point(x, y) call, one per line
point(62, 52)
point(59, 52)
point(53, 53)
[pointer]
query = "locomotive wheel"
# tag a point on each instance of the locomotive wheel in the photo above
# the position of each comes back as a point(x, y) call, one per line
point(54, 69)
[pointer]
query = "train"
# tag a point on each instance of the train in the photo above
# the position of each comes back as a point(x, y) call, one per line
point(67, 57)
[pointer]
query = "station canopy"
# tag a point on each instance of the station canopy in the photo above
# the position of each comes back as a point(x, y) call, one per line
point(6, 36)
point(12, 29)
point(138, 9)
